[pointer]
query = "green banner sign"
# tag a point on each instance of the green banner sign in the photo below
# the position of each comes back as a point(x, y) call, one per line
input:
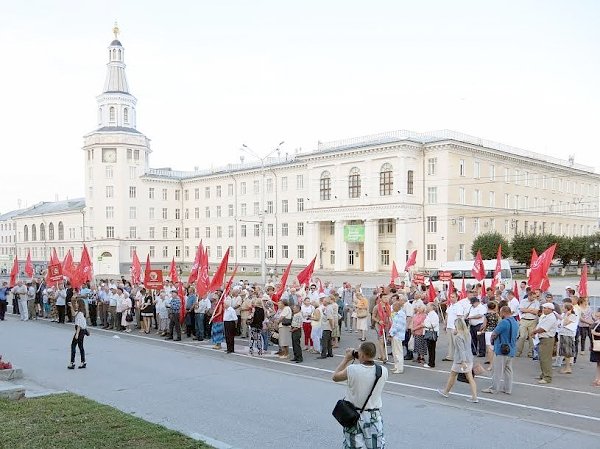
point(354, 233)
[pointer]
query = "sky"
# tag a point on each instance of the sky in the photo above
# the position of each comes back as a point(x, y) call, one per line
point(211, 76)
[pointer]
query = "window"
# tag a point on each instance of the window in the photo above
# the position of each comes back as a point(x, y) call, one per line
point(476, 197)
point(285, 251)
point(42, 232)
point(187, 251)
point(506, 201)
point(270, 252)
point(506, 175)
point(165, 194)
point(492, 199)
point(110, 212)
point(256, 208)
point(300, 204)
point(110, 192)
point(25, 233)
point(299, 182)
point(354, 183)
point(300, 252)
point(152, 251)
point(108, 172)
point(207, 212)
point(186, 214)
point(270, 230)
point(431, 165)
point(462, 195)
point(33, 233)
point(177, 195)
point(269, 187)
point(151, 193)
point(492, 224)
point(208, 251)
point(219, 232)
point(410, 182)
point(461, 167)
point(269, 207)
point(284, 184)
point(177, 232)
point(51, 231)
point(151, 232)
point(243, 209)
point(111, 114)
point(476, 169)
point(461, 251)
point(385, 257)
point(196, 194)
point(132, 213)
point(243, 230)
point(165, 232)
point(207, 193)
point(461, 225)
point(476, 226)
point(431, 224)
point(207, 232)
point(218, 211)
point(432, 195)
point(284, 229)
point(492, 172)
point(132, 232)
point(165, 251)
point(256, 187)
point(244, 252)
point(110, 232)
point(164, 213)
point(218, 191)
point(197, 213)
point(230, 210)
point(325, 186)
point(431, 253)
point(186, 195)
point(300, 229)
point(332, 257)
point(129, 154)
point(136, 155)
point(230, 189)
point(256, 230)
point(256, 251)
point(126, 115)
point(196, 232)
point(386, 181)
point(230, 231)
point(517, 175)
point(284, 206)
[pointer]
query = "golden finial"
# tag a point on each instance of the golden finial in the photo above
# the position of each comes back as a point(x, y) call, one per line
point(116, 30)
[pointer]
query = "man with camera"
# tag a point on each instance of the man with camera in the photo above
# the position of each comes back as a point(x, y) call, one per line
point(504, 339)
point(365, 382)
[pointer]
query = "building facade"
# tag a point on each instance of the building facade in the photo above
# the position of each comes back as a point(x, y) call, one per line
point(357, 204)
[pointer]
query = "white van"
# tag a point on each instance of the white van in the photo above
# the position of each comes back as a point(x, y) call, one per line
point(460, 268)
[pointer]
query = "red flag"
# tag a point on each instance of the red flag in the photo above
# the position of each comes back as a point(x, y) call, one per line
point(583, 282)
point(219, 276)
point(305, 275)
point(67, 266)
point(539, 268)
point(84, 270)
point(516, 291)
point(478, 269)
point(545, 285)
point(230, 281)
point(219, 311)
point(463, 290)
point(498, 270)
point(196, 266)
point(412, 259)
point(136, 269)
point(277, 295)
point(54, 258)
point(451, 288)
point(29, 265)
point(14, 273)
point(483, 289)
point(431, 293)
point(394, 274)
point(321, 288)
point(173, 272)
point(148, 267)
point(203, 280)
point(182, 310)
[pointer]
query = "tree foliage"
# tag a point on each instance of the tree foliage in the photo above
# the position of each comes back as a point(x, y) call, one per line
point(488, 245)
point(521, 246)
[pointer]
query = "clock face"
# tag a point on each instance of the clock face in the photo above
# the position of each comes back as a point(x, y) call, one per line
point(109, 155)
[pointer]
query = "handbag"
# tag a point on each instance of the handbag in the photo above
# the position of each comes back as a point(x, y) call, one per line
point(346, 413)
point(430, 335)
point(286, 322)
point(128, 317)
point(596, 345)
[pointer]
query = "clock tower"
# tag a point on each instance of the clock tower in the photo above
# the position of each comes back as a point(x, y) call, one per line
point(116, 155)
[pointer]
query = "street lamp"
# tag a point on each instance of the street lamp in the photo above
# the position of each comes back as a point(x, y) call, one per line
point(263, 258)
point(595, 247)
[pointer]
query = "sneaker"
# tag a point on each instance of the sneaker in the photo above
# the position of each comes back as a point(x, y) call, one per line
point(488, 390)
point(397, 371)
point(543, 381)
point(426, 366)
point(441, 393)
point(474, 401)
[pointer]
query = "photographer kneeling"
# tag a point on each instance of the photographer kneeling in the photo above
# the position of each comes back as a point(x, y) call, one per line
point(365, 385)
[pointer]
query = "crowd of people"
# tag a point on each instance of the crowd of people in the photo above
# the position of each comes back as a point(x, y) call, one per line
point(311, 320)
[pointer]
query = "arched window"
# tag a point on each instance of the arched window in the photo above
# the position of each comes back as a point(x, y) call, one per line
point(126, 115)
point(33, 233)
point(51, 231)
point(386, 180)
point(61, 231)
point(114, 54)
point(354, 183)
point(25, 233)
point(42, 232)
point(325, 186)
point(120, 55)
point(410, 181)
point(111, 114)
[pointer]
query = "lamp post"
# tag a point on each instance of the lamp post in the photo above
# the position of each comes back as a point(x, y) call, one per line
point(595, 247)
point(263, 258)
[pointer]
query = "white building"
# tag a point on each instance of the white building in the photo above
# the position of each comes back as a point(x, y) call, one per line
point(358, 204)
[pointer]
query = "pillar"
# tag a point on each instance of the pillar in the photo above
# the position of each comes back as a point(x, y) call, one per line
point(371, 245)
point(341, 247)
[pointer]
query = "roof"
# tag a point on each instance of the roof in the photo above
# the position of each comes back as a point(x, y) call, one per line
point(11, 214)
point(116, 43)
point(118, 129)
point(54, 207)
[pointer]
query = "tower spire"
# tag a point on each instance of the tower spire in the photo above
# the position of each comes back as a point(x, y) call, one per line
point(116, 30)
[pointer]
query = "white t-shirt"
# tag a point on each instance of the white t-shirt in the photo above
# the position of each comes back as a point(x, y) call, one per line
point(409, 309)
point(452, 315)
point(360, 382)
point(514, 306)
point(463, 307)
point(481, 309)
point(80, 320)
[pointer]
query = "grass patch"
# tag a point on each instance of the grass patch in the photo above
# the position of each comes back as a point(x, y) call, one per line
point(69, 421)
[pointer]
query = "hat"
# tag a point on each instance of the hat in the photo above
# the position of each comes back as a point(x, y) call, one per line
point(322, 295)
point(548, 305)
point(568, 287)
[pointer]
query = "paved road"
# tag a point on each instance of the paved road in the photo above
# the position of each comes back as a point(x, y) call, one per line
point(249, 402)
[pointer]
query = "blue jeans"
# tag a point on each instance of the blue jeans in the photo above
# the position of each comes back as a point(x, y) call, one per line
point(199, 318)
point(265, 337)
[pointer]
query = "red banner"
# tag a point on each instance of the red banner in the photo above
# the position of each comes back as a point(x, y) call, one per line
point(418, 278)
point(55, 273)
point(445, 276)
point(153, 279)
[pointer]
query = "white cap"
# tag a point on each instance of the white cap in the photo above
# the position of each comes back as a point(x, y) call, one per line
point(548, 305)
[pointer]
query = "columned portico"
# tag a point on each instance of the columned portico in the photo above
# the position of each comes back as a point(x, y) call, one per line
point(341, 247)
point(371, 250)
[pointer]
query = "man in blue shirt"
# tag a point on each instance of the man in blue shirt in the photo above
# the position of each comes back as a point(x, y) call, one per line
point(3, 294)
point(504, 339)
point(174, 306)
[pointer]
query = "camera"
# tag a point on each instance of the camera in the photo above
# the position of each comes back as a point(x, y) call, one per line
point(355, 354)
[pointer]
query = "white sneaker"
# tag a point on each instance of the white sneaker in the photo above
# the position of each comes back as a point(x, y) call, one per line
point(426, 366)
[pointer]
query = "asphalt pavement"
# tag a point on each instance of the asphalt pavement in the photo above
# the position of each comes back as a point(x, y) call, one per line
point(238, 401)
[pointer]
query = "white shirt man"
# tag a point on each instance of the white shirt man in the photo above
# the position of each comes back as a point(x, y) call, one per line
point(21, 290)
point(513, 303)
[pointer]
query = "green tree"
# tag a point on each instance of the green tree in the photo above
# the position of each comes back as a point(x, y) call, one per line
point(521, 246)
point(580, 248)
point(565, 250)
point(488, 245)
